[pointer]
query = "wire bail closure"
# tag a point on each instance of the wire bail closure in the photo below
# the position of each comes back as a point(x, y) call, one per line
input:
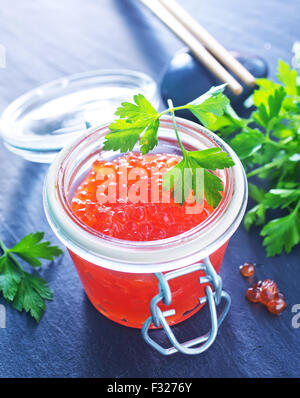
point(213, 295)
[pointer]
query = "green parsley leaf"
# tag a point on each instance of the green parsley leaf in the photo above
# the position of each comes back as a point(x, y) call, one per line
point(31, 250)
point(140, 111)
point(31, 295)
point(282, 233)
point(23, 290)
point(174, 181)
point(149, 140)
point(288, 77)
point(212, 92)
point(209, 106)
point(266, 88)
point(268, 143)
point(185, 176)
point(123, 137)
point(268, 111)
point(213, 186)
point(228, 123)
point(135, 118)
point(256, 193)
point(255, 216)
point(281, 198)
point(212, 158)
point(247, 143)
point(10, 277)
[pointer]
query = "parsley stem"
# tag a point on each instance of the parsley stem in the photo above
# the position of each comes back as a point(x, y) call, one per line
point(171, 110)
point(267, 166)
point(15, 261)
point(6, 252)
point(296, 208)
point(274, 143)
point(268, 130)
point(2, 246)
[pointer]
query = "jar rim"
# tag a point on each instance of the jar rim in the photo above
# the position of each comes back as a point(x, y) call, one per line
point(145, 256)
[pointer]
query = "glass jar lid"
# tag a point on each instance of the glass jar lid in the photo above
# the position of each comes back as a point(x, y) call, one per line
point(40, 123)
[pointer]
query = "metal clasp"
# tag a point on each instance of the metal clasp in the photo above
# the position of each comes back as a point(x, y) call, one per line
point(213, 295)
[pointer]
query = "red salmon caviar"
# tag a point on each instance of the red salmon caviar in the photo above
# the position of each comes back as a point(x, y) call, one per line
point(253, 294)
point(277, 304)
point(270, 285)
point(247, 269)
point(267, 293)
point(268, 290)
point(124, 217)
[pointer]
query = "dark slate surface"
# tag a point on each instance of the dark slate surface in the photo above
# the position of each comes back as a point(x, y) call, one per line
point(47, 40)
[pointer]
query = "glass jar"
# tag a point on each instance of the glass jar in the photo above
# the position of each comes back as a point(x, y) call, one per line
point(130, 282)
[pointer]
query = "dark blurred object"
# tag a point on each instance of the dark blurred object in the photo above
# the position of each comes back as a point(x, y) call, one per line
point(186, 79)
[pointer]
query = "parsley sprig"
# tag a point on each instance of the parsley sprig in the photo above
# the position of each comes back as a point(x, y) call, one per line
point(268, 143)
point(138, 123)
point(23, 290)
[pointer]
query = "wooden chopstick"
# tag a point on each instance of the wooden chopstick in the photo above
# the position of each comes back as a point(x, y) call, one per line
point(209, 41)
point(193, 43)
